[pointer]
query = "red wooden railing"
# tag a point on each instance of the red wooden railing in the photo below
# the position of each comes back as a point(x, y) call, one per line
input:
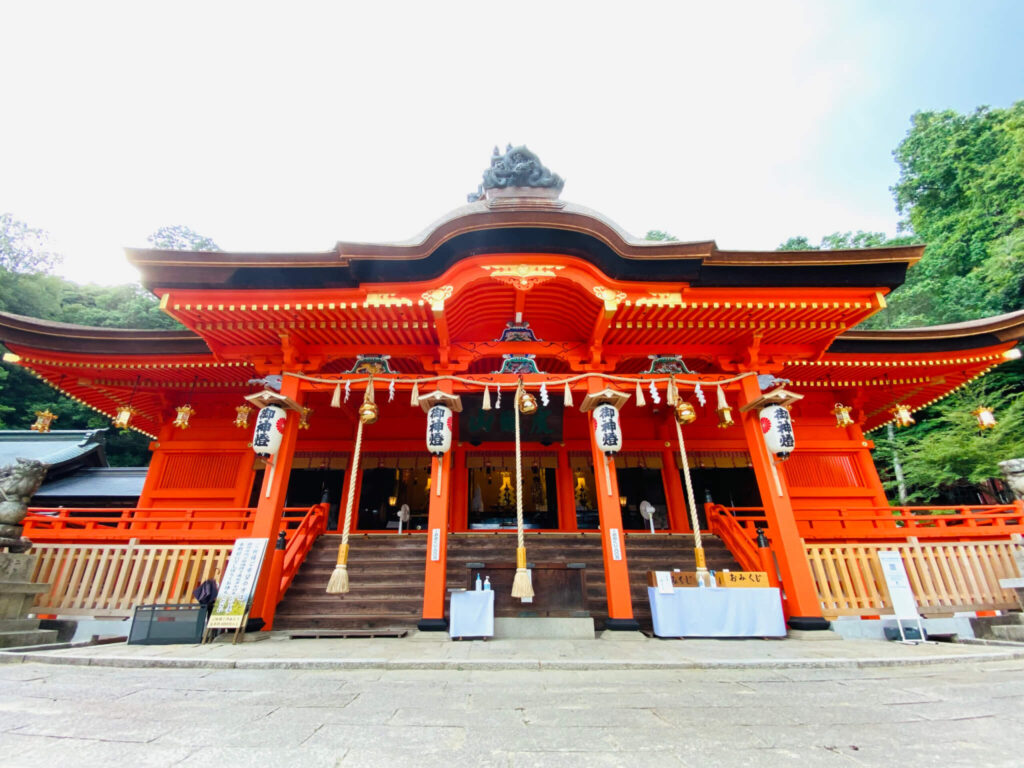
point(216, 524)
point(737, 533)
point(988, 521)
point(300, 542)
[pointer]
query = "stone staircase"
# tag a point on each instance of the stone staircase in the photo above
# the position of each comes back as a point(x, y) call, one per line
point(386, 574)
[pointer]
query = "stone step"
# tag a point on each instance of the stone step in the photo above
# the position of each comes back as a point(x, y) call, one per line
point(29, 637)
point(1014, 632)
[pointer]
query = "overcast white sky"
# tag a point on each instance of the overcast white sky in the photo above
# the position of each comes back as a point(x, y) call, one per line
point(289, 126)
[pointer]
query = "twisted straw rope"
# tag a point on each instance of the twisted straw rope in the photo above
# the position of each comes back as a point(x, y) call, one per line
point(694, 520)
point(520, 540)
point(547, 382)
point(352, 488)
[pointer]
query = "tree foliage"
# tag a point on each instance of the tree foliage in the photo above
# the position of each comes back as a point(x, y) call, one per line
point(181, 238)
point(27, 288)
point(24, 249)
point(961, 191)
point(843, 240)
point(945, 453)
point(657, 235)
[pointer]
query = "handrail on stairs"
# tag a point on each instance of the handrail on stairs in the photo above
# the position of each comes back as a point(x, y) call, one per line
point(300, 541)
point(737, 537)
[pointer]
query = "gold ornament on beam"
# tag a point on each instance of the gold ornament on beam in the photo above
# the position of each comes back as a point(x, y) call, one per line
point(242, 416)
point(368, 412)
point(986, 418)
point(304, 418)
point(842, 414)
point(684, 412)
point(901, 414)
point(724, 411)
point(527, 403)
point(183, 414)
point(43, 421)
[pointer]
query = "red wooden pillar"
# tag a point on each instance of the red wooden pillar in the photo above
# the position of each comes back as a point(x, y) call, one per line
point(269, 508)
point(565, 492)
point(435, 580)
point(613, 541)
point(678, 515)
point(801, 594)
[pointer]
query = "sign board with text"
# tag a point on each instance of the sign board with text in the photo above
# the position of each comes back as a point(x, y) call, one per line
point(236, 589)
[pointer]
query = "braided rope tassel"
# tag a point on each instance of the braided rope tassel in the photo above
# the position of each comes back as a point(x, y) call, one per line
point(698, 548)
point(338, 584)
point(522, 584)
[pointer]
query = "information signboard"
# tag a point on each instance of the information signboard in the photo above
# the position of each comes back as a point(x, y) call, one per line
point(902, 596)
point(236, 589)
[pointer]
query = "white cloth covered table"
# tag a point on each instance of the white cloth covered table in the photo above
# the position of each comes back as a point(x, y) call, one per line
point(717, 612)
point(472, 614)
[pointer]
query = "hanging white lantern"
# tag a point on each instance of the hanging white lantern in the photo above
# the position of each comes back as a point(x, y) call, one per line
point(270, 423)
point(439, 429)
point(777, 428)
point(607, 428)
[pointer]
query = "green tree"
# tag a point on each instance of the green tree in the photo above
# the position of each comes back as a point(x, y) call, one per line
point(181, 238)
point(961, 191)
point(24, 249)
point(27, 288)
point(658, 235)
point(844, 240)
point(945, 449)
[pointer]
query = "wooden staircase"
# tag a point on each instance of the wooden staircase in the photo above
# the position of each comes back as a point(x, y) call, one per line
point(385, 585)
point(386, 574)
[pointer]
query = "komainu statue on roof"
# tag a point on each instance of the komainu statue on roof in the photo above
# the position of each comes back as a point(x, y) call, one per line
point(518, 167)
point(18, 483)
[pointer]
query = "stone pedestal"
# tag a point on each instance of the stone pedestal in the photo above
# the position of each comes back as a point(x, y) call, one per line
point(16, 595)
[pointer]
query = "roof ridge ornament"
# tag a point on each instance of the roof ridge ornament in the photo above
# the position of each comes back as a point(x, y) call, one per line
point(517, 173)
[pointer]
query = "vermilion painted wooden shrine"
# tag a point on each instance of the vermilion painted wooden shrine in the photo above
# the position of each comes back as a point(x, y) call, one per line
point(517, 288)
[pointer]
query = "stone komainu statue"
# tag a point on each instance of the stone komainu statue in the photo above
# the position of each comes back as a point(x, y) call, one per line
point(518, 167)
point(1013, 471)
point(18, 483)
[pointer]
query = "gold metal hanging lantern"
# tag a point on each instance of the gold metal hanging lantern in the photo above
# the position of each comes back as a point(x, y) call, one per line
point(986, 418)
point(43, 421)
point(304, 418)
point(902, 415)
point(242, 416)
point(842, 414)
point(182, 414)
point(124, 417)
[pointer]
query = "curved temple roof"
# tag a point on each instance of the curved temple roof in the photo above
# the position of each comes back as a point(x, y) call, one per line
point(524, 225)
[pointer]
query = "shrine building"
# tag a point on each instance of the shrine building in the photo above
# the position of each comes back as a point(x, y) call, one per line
point(516, 296)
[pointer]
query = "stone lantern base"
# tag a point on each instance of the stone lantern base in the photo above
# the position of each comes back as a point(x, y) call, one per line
point(17, 592)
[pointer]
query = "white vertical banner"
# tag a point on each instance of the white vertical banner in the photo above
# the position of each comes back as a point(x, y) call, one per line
point(435, 544)
point(613, 539)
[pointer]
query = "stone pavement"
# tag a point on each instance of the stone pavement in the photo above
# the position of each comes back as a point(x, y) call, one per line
point(957, 712)
point(429, 650)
